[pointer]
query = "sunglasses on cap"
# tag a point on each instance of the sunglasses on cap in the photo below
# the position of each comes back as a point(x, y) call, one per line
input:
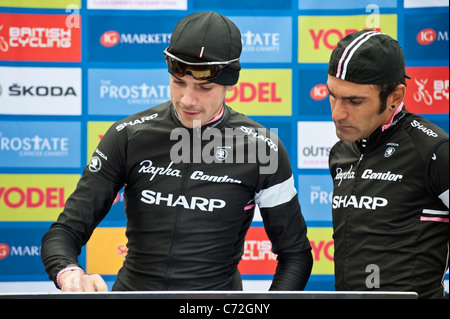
point(203, 71)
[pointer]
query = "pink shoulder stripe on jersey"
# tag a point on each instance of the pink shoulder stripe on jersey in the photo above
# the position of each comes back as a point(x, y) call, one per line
point(434, 219)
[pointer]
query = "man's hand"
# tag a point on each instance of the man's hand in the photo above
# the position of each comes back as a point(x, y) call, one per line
point(76, 281)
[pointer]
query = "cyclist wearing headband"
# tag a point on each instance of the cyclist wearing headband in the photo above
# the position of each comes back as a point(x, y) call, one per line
point(390, 173)
point(187, 217)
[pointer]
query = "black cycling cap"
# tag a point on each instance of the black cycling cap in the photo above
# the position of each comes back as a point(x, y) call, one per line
point(208, 37)
point(368, 57)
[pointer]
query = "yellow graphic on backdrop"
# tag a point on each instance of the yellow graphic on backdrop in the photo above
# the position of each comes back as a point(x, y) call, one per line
point(322, 245)
point(106, 250)
point(95, 132)
point(40, 3)
point(262, 92)
point(319, 35)
point(34, 197)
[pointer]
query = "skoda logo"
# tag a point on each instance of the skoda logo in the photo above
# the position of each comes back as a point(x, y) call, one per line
point(389, 151)
point(221, 154)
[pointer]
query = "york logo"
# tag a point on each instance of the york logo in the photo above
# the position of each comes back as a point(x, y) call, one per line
point(322, 250)
point(194, 203)
point(110, 38)
point(329, 38)
point(32, 197)
point(252, 92)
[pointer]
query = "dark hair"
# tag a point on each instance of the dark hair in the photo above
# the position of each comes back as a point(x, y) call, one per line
point(385, 91)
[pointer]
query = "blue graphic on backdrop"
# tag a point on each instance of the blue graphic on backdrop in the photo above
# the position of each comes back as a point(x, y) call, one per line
point(40, 144)
point(125, 92)
point(265, 39)
point(126, 38)
point(347, 4)
point(313, 93)
point(426, 37)
point(281, 129)
point(315, 194)
point(242, 4)
point(20, 251)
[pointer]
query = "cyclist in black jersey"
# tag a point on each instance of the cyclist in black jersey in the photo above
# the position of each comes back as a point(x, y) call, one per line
point(390, 172)
point(193, 172)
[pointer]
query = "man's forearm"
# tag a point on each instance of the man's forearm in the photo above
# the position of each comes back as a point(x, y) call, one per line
point(58, 250)
point(292, 271)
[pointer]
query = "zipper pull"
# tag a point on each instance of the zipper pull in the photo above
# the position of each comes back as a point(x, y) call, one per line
point(361, 157)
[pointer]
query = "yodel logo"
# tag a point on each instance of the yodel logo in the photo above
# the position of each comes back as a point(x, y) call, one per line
point(32, 197)
point(249, 92)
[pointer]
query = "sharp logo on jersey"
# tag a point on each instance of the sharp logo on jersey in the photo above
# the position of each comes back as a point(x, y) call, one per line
point(204, 204)
point(136, 121)
point(257, 135)
point(423, 128)
point(366, 202)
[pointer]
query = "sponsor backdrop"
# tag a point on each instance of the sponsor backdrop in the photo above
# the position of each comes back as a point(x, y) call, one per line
point(70, 68)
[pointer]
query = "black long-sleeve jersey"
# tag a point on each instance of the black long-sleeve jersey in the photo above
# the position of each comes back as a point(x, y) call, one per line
point(390, 208)
point(190, 196)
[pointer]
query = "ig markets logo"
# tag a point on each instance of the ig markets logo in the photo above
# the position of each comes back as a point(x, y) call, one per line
point(110, 38)
point(429, 36)
point(426, 36)
point(319, 92)
point(4, 251)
